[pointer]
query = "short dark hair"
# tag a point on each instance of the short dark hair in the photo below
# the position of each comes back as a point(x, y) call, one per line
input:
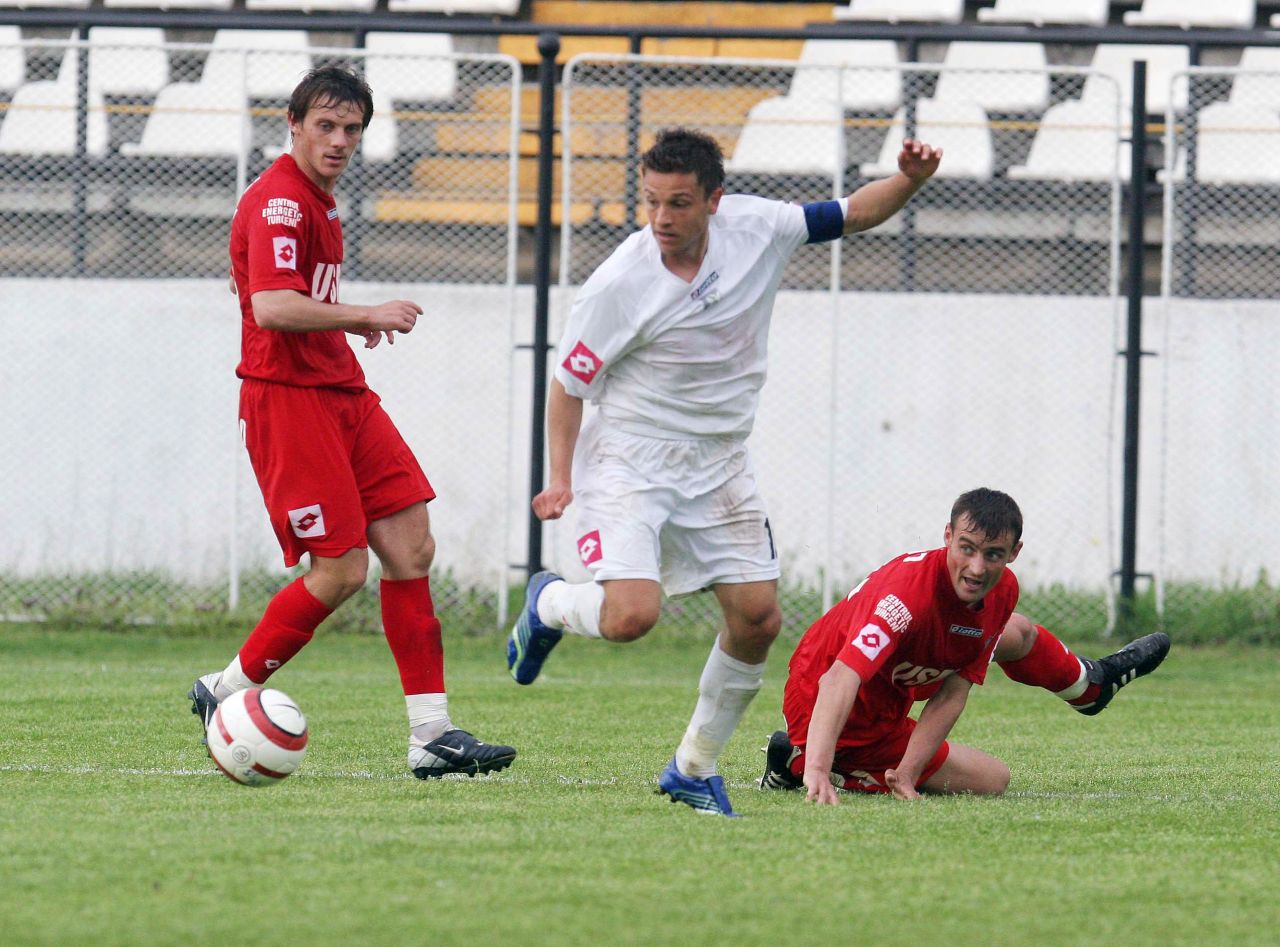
point(990, 512)
point(330, 85)
point(684, 151)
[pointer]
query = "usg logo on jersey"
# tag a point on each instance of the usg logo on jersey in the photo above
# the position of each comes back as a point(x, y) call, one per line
point(966, 631)
point(307, 521)
point(286, 252)
point(871, 640)
point(589, 548)
point(582, 363)
point(891, 609)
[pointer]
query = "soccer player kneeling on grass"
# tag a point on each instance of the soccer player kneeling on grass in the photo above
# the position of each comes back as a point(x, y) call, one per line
point(336, 476)
point(926, 626)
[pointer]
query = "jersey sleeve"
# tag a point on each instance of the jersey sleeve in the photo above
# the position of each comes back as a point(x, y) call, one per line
point(874, 628)
point(274, 239)
point(600, 330)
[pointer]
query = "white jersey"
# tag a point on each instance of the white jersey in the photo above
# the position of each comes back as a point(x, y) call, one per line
point(666, 358)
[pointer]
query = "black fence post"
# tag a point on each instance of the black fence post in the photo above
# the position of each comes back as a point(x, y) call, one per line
point(548, 48)
point(1133, 343)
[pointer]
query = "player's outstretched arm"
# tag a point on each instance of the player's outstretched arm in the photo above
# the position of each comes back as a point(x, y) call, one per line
point(874, 203)
point(286, 310)
point(837, 690)
point(564, 420)
point(936, 720)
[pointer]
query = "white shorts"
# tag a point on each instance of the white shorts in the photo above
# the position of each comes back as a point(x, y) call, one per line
point(685, 513)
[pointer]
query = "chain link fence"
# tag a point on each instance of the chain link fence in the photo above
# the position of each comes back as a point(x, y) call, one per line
point(969, 341)
point(1215, 448)
point(124, 492)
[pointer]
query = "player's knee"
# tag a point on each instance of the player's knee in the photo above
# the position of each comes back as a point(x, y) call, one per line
point(995, 778)
point(757, 630)
point(627, 624)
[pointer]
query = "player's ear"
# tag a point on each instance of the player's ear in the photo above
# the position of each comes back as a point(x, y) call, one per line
point(946, 535)
point(1016, 549)
point(713, 201)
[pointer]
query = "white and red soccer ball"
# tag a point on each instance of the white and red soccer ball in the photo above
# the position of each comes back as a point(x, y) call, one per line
point(257, 736)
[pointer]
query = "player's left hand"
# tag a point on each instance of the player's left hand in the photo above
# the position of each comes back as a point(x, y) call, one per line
point(371, 339)
point(918, 160)
point(900, 786)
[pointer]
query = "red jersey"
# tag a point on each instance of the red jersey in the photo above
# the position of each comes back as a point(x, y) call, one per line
point(286, 235)
point(903, 630)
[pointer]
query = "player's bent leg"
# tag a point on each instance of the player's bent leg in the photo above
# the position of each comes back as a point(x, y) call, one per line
point(630, 610)
point(969, 770)
point(404, 543)
point(334, 579)
point(752, 618)
point(1136, 659)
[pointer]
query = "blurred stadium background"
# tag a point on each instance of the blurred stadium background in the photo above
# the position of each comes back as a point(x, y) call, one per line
point(974, 339)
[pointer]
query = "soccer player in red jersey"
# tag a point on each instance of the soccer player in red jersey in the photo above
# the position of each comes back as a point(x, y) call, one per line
point(336, 475)
point(925, 626)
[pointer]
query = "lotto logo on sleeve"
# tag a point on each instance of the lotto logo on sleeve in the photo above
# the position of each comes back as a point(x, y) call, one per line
point(871, 640)
point(286, 252)
point(589, 548)
point(307, 521)
point(582, 363)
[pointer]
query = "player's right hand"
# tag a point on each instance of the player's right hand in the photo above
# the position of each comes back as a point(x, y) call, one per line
point(551, 503)
point(819, 789)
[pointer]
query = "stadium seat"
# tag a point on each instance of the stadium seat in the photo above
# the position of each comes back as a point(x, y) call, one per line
point(169, 4)
point(1188, 14)
point(871, 82)
point(41, 118)
point(902, 11)
point(959, 128)
point(1162, 62)
point(1023, 91)
point(1275, 21)
point(1258, 82)
point(312, 6)
point(451, 7)
point(790, 136)
point(1231, 144)
point(277, 62)
point(13, 68)
point(45, 4)
point(405, 67)
point(192, 118)
point(1046, 12)
point(1077, 141)
point(127, 60)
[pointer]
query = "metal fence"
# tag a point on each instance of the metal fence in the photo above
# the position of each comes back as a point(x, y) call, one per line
point(1214, 416)
point(125, 490)
point(971, 340)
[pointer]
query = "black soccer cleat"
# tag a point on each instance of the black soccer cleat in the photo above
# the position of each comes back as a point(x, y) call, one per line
point(1136, 659)
point(777, 763)
point(203, 703)
point(456, 751)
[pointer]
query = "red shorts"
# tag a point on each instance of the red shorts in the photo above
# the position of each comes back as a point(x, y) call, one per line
point(861, 768)
point(329, 463)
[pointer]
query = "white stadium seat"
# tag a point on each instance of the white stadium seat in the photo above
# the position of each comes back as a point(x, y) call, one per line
point(192, 118)
point(1077, 142)
point(1045, 12)
point(401, 67)
point(960, 129)
point(789, 136)
point(902, 11)
point(127, 60)
point(45, 4)
point(1162, 62)
point(1188, 14)
point(41, 118)
point(1022, 91)
point(1258, 82)
point(13, 66)
point(169, 4)
point(871, 82)
point(276, 62)
point(311, 6)
point(1229, 141)
point(450, 7)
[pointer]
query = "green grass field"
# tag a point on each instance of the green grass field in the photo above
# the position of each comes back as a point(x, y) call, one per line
point(1155, 823)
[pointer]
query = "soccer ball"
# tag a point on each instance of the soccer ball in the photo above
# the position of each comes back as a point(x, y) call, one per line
point(257, 737)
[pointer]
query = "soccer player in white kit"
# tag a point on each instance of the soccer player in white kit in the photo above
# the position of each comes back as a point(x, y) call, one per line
point(668, 338)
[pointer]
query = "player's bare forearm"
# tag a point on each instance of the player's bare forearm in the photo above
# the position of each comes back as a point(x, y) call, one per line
point(936, 720)
point(875, 202)
point(286, 310)
point(837, 691)
point(564, 420)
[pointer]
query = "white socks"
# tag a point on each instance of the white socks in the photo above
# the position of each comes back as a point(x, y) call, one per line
point(428, 715)
point(231, 680)
point(574, 608)
point(724, 692)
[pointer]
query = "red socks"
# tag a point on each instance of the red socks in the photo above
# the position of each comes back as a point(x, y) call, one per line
point(1049, 664)
point(290, 620)
point(413, 634)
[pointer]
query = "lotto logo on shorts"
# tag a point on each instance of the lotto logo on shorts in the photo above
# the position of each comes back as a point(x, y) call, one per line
point(582, 363)
point(307, 521)
point(871, 640)
point(286, 252)
point(589, 547)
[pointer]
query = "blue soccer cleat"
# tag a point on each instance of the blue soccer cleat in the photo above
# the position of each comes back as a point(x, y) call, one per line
point(530, 640)
point(706, 796)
